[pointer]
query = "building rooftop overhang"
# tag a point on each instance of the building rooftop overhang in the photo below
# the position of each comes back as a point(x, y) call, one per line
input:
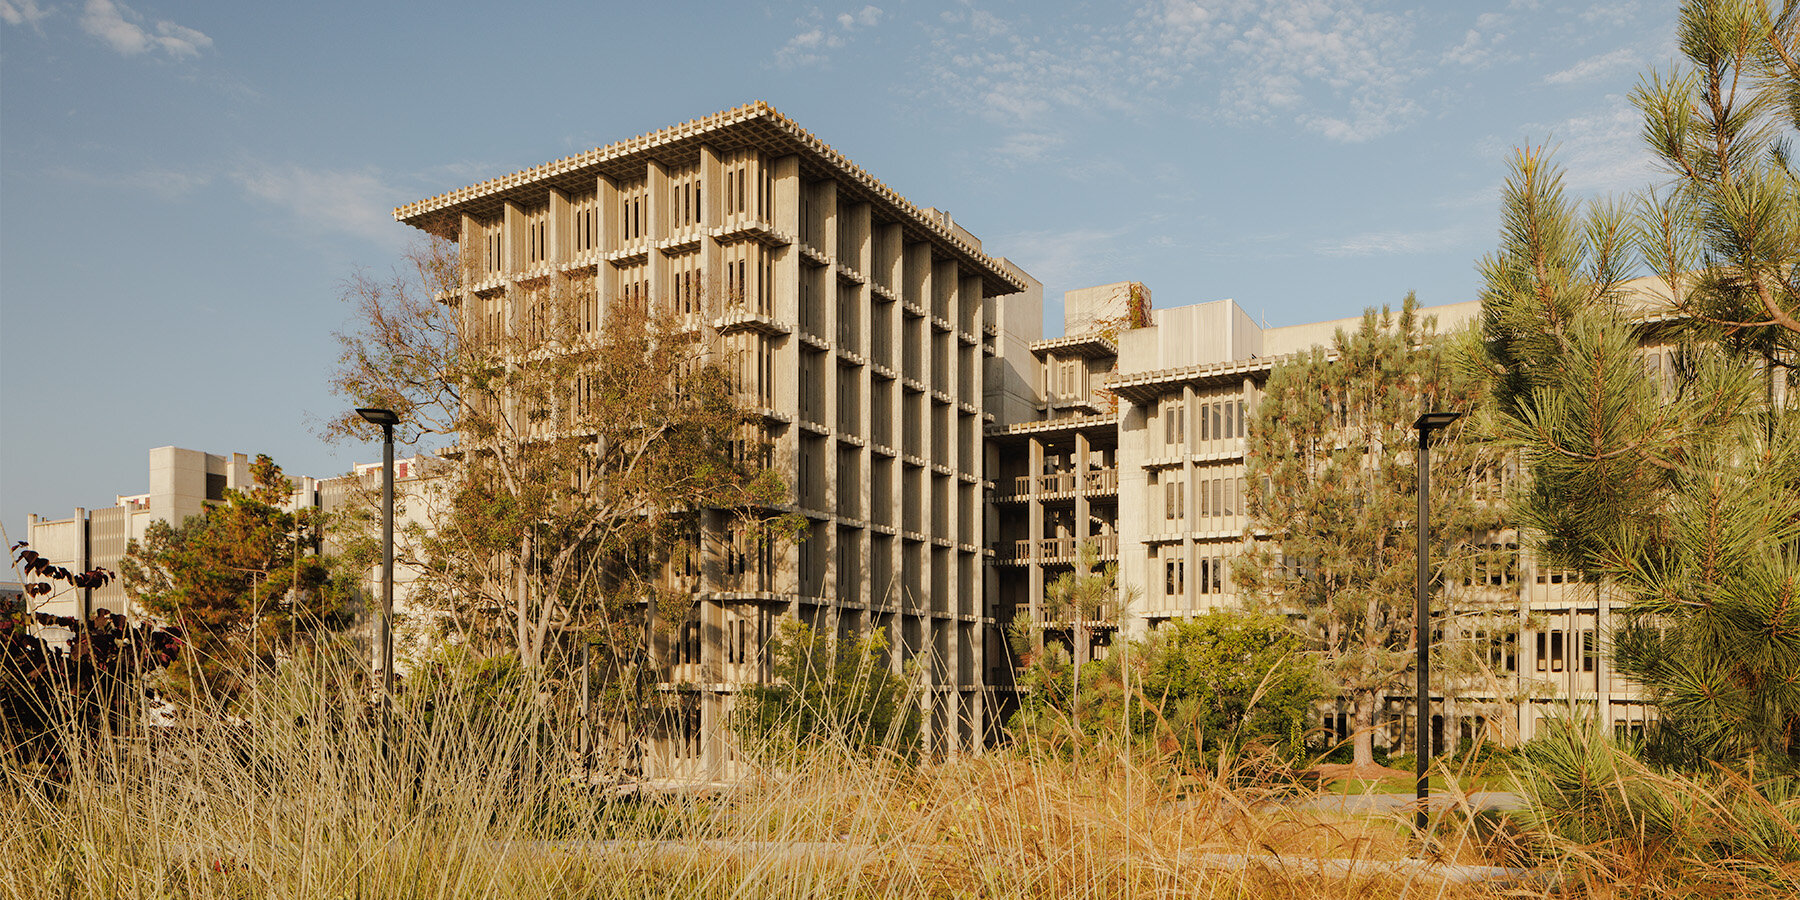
point(752, 126)
point(1145, 386)
point(1091, 345)
point(1069, 424)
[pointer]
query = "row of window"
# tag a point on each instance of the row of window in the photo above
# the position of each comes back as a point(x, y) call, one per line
point(1218, 420)
point(1211, 570)
point(1212, 578)
point(1065, 379)
point(1213, 497)
point(685, 198)
point(1550, 650)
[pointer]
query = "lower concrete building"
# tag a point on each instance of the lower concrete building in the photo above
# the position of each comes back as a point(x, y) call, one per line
point(1136, 444)
point(182, 483)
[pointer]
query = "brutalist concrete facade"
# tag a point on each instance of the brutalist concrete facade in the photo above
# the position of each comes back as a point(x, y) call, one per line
point(868, 333)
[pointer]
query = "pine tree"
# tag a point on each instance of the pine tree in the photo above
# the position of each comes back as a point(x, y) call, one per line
point(1332, 456)
point(237, 579)
point(1680, 488)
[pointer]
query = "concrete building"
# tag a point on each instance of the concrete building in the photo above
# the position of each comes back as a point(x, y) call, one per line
point(949, 460)
point(181, 484)
point(869, 334)
point(1137, 446)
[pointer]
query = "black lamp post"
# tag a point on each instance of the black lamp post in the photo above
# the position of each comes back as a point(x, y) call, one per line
point(1426, 424)
point(387, 420)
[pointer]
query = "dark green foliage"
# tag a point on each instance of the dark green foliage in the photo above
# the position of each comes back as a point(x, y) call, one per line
point(1679, 485)
point(239, 579)
point(1332, 459)
point(1223, 681)
point(839, 693)
point(1193, 689)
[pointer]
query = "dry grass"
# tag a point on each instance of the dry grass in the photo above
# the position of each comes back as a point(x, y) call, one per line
point(298, 801)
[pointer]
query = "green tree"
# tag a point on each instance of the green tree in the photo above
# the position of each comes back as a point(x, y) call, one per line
point(239, 579)
point(833, 692)
point(1084, 598)
point(1680, 484)
point(1220, 682)
point(1193, 689)
point(589, 436)
point(1333, 485)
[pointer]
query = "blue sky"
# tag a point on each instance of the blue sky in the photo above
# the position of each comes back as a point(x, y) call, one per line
point(184, 186)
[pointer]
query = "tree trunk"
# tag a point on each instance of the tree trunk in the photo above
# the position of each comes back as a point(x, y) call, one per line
point(525, 632)
point(1363, 738)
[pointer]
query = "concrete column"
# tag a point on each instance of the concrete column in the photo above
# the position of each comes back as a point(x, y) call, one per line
point(609, 214)
point(1034, 523)
point(558, 228)
point(512, 239)
point(1082, 510)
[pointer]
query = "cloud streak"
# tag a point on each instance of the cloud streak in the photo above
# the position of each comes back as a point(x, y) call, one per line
point(1339, 69)
point(1622, 59)
point(1391, 243)
point(119, 27)
point(358, 203)
point(812, 46)
point(22, 12)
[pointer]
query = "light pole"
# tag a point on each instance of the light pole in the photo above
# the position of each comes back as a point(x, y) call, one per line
point(1426, 424)
point(387, 420)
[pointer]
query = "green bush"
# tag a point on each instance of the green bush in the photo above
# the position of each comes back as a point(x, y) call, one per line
point(1224, 682)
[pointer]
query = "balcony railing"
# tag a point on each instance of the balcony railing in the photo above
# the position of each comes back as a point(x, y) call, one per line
point(1093, 481)
point(1057, 549)
point(1101, 481)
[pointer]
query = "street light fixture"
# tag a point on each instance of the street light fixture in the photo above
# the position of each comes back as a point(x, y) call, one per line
point(387, 420)
point(1426, 424)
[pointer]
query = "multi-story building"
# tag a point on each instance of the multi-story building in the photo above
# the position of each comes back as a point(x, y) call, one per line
point(182, 483)
point(949, 461)
point(867, 330)
point(1137, 446)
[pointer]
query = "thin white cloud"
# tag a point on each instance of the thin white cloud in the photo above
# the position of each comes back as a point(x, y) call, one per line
point(1603, 151)
point(867, 17)
point(811, 46)
point(22, 12)
point(1028, 146)
point(357, 203)
point(1342, 69)
point(120, 27)
point(1481, 44)
point(1622, 59)
point(1066, 257)
point(1392, 243)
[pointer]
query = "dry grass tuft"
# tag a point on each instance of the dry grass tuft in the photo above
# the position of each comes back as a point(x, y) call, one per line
point(299, 799)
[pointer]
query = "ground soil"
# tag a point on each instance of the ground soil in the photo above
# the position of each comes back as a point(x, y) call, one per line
point(1329, 772)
